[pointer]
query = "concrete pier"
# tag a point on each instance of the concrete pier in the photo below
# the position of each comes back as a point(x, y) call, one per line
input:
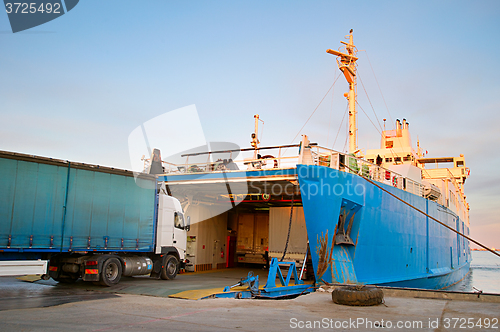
point(121, 308)
point(315, 311)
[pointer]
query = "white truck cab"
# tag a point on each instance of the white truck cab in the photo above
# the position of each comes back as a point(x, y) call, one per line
point(172, 226)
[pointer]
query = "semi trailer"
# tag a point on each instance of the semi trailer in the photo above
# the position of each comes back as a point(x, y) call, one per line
point(87, 221)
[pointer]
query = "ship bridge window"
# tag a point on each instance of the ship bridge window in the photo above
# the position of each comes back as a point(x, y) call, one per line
point(396, 159)
point(389, 144)
point(407, 158)
point(460, 163)
point(388, 160)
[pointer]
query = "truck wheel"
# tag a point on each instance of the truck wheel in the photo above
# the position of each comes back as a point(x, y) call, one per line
point(170, 268)
point(111, 272)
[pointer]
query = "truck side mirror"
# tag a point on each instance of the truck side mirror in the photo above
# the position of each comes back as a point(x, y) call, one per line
point(188, 224)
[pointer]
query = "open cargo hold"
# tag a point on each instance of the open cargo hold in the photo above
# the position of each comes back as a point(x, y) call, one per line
point(279, 225)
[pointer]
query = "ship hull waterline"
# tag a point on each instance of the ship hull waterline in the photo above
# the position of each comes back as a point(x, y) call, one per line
point(391, 244)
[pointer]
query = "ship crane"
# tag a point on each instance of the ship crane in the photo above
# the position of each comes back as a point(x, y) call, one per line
point(346, 60)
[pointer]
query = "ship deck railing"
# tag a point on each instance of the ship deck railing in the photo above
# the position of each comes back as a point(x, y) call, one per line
point(279, 157)
point(349, 163)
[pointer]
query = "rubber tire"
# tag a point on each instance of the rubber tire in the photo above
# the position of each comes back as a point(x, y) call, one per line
point(356, 296)
point(170, 268)
point(111, 272)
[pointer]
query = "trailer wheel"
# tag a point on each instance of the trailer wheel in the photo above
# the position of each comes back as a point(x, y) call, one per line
point(111, 272)
point(358, 295)
point(170, 268)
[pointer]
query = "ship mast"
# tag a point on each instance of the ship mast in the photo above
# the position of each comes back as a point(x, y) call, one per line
point(346, 60)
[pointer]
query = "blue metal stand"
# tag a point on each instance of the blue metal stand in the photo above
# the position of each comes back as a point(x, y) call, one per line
point(270, 290)
point(274, 269)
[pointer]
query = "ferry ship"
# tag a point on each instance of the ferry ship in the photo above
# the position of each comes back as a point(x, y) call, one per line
point(392, 217)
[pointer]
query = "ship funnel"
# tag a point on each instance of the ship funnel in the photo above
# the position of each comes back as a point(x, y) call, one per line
point(398, 128)
point(404, 124)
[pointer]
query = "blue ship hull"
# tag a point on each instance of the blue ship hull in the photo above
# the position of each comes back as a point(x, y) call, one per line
point(392, 243)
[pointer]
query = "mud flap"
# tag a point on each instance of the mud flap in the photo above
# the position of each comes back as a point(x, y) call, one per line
point(157, 266)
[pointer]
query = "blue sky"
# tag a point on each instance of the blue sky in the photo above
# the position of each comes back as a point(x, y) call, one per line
point(76, 87)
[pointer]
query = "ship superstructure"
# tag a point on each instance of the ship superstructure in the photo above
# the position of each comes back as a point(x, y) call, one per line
point(442, 178)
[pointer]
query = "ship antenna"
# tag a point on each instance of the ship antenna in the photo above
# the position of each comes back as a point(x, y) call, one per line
point(346, 60)
point(255, 136)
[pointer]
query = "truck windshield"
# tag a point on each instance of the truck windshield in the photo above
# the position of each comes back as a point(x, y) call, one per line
point(179, 220)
